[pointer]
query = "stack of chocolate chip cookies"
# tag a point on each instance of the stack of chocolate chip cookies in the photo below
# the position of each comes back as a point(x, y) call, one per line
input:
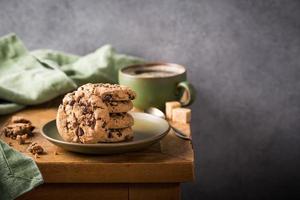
point(96, 113)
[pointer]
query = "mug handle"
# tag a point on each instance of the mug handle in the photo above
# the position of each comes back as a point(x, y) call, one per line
point(190, 90)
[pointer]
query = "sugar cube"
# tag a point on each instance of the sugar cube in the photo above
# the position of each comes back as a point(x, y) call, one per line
point(182, 115)
point(170, 106)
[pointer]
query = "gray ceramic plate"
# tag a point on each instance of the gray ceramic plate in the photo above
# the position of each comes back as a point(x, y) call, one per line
point(147, 129)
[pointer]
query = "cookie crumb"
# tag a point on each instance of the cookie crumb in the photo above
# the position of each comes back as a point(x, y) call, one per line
point(25, 136)
point(20, 139)
point(10, 144)
point(18, 126)
point(36, 156)
point(35, 148)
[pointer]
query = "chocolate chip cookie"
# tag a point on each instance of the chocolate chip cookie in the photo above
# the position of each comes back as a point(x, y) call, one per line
point(117, 135)
point(120, 120)
point(88, 115)
point(119, 106)
point(110, 92)
point(82, 117)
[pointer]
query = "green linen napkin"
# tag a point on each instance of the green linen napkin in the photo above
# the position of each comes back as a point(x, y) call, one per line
point(29, 78)
point(18, 173)
point(9, 107)
point(100, 66)
point(26, 81)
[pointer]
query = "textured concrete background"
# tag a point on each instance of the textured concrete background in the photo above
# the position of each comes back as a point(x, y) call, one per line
point(243, 57)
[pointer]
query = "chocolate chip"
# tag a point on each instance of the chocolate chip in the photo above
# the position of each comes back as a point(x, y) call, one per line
point(30, 134)
point(119, 134)
point(109, 135)
point(103, 125)
point(107, 97)
point(32, 128)
point(74, 116)
point(89, 104)
point(131, 97)
point(6, 132)
point(80, 132)
point(93, 124)
point(72, 102)
point(116, 114)
point(89, 123)
point(74, 125)
point(78, 98)
point(85, 110)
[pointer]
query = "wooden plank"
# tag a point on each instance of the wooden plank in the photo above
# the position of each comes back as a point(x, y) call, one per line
point(171, 160)
point(154, 191)
point(114, 173)
point(78, 192)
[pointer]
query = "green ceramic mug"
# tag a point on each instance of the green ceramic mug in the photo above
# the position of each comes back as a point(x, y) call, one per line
point(157, 83)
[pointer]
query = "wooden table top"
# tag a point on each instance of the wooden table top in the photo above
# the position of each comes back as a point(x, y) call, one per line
point(170, 160)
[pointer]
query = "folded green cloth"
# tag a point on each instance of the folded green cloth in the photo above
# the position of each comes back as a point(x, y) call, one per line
point(9, 107)
point(29, 78)
point(18, 173)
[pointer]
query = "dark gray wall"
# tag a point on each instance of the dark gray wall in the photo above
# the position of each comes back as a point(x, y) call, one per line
point(242, 56)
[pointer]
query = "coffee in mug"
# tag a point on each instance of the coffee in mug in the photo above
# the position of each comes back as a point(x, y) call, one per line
point(157, 83)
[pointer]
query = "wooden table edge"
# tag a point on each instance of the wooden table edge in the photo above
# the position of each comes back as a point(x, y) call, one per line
point(124, 173)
